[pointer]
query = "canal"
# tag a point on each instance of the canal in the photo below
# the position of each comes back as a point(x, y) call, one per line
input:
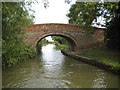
point(51, 69)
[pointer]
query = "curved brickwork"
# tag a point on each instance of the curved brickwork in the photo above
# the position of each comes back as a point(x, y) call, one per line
point(74, 34)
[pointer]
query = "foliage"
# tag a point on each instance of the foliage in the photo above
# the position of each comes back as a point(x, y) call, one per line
point(41, 43)
point(14, 17)
point(87, 13)
point(60, 40)
point(77, 12)
point(113, 32)
point(46, 3)
point(68, 1)
point(61, 46)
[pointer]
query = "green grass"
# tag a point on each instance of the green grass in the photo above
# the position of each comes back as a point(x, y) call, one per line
point(102, 54)
point(61, 46)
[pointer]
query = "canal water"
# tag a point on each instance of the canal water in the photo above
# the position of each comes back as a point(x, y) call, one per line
point(51, 69)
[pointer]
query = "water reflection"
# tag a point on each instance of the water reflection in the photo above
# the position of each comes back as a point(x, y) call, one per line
point(99, 82)
point(51, 56)
point(52, 69)
point(52, 61)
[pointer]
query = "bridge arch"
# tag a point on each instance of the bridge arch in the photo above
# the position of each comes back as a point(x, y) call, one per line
point(75, 34)
point(70, 39)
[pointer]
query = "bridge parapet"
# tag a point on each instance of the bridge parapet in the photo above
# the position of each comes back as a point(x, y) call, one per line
point(55, 27)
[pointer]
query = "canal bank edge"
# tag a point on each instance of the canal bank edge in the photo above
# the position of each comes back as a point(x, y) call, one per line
point(93, 62)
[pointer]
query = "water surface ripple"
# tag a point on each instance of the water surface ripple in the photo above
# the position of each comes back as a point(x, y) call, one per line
point(51, 69)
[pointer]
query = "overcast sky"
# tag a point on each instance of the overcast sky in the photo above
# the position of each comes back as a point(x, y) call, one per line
point(55, 13)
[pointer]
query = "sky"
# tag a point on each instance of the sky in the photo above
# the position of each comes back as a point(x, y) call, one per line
point(55, 13)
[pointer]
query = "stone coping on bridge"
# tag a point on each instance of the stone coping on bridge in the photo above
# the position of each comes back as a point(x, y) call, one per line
point(54, 26)
point(93, 62)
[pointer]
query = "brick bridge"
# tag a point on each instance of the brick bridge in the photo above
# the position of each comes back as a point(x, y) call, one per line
point(73, 33)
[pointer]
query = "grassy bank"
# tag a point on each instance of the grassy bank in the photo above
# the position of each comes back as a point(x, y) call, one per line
point(102, 54)
point(61, 46)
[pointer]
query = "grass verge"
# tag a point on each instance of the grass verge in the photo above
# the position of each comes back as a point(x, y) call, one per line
point(102, 54)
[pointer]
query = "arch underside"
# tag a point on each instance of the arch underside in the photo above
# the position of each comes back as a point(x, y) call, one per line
point(69, 38)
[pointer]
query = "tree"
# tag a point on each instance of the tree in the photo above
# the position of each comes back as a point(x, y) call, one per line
point(60, 40)
point(113, 31)
point(87, 13)
point(14, 17)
